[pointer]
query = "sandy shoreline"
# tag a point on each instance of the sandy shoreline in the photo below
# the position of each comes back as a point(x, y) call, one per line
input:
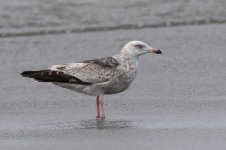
point(177, 101)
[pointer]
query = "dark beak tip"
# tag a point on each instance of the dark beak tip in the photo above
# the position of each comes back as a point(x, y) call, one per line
point(158, 51)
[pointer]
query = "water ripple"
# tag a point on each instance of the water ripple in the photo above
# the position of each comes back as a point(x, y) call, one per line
point(16, 33)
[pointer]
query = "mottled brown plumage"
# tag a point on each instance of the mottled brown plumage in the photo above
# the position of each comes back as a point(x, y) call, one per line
point(109, 75)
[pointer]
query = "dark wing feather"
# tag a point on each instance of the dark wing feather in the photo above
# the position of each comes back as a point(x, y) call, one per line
point(105, 62)
point(53, 76)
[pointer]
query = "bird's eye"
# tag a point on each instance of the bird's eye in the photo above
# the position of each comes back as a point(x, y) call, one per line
point(139, 46)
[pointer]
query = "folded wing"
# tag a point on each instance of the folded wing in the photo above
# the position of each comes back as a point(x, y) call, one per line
point(86, 72)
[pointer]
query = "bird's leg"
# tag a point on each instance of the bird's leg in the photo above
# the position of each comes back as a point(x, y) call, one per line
point(101, 106)
point(98, 107)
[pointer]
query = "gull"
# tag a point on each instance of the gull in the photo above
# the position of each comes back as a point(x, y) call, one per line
point(97, 77)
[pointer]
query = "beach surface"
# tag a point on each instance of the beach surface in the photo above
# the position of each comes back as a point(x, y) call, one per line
point(177, 101)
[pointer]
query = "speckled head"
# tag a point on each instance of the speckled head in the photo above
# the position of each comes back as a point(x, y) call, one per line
point(137, 48)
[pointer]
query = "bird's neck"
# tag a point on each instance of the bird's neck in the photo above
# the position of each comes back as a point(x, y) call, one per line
point(130, 62)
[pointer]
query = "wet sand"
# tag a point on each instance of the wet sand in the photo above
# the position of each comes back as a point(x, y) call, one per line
point(177, 101)
point(26, 17)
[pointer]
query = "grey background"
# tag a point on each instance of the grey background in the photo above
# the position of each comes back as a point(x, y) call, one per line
point(177, 101)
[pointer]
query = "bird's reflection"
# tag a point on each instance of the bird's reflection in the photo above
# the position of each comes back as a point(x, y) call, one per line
point(104, 124)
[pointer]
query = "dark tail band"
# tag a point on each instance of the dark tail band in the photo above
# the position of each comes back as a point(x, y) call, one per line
point(53, 76)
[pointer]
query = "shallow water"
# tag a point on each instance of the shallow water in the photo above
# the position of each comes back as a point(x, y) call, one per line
point(26, 17)
point(177, 101)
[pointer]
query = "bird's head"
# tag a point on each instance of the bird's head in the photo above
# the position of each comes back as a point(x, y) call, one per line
point(137, 48)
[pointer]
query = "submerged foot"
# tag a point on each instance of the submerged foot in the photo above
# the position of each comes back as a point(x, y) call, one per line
point(99, 117)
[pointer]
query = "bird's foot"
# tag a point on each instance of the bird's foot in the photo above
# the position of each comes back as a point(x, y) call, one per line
point(99, 117)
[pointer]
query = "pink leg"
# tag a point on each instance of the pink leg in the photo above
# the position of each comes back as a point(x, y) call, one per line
point(101, 107)
point(98, 107)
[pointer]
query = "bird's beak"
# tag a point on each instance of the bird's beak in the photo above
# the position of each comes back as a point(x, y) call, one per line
point(155, 50)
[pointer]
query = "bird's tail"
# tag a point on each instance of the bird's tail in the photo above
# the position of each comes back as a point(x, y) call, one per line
point(31, 74)
point(45, 75)
point(53, 76)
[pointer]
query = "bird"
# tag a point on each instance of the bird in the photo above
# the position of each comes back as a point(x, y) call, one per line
point(97, 77)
